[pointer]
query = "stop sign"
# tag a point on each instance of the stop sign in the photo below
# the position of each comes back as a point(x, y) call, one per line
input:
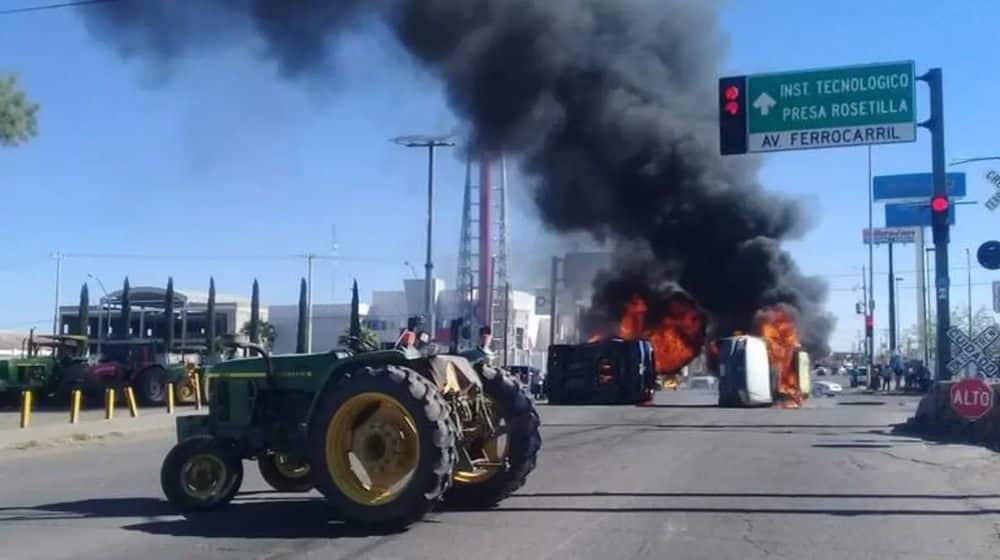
point(971, 398)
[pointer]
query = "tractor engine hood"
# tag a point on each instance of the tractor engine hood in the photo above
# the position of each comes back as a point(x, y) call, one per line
point(453, 374)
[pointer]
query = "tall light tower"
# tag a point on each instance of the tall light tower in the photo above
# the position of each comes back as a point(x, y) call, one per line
point(429, 142)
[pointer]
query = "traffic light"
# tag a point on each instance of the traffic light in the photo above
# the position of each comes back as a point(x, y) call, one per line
point(732, 115)
point(940, 206)
point(869, 325)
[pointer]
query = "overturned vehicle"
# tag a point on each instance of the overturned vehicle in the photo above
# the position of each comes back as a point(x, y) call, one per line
point(612, 371)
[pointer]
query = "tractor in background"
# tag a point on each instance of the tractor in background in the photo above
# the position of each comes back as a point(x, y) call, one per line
point(50, 366)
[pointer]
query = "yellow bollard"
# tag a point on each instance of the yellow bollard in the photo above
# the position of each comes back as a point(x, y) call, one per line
point(74, 406)
point(170, 398)
point(197, 390)
point(109, 403)
point(133, 410)
point(25, 408)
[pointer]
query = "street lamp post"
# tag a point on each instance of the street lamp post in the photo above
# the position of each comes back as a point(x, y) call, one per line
point(429, 142)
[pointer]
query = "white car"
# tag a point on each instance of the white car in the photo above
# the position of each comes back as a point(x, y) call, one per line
point(826, 389)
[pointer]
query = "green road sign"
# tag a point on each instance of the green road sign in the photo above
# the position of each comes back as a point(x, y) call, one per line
point(846, 106)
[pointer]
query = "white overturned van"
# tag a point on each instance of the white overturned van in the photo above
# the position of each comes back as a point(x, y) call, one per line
point(745, 377)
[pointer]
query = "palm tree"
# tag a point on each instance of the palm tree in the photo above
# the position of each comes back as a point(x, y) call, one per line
point(365, 341)
point(266, 333)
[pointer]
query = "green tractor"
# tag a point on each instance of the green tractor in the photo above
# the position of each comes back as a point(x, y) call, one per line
point(54, 374)
point(385, 436)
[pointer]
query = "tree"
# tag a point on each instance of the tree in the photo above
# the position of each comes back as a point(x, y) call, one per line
point(366, 340)
point(254, 328)
point(83, 313)
point(168, 312)
point(18, 116)
point(210, 312)
point(303, 330)
point(126, 318)
point(981, 319)
point(266, 333)
point(358, 338)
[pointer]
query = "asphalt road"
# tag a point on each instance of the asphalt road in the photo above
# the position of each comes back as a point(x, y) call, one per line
point(682, 479)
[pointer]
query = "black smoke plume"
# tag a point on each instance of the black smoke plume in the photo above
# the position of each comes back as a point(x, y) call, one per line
point(610, 105)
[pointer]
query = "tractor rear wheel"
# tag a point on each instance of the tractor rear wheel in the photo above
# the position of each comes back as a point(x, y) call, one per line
point(152, 386)
point(382, 447)
point(285, 473)
point(200, 474)
point(496, 465)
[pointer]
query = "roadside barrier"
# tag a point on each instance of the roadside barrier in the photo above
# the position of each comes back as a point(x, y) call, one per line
point(25, 408)
point(170, 398)
point(133, 410)
point(74, 407)
point(109, 403)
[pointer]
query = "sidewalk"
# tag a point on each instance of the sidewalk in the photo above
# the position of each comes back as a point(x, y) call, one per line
point(50, 429)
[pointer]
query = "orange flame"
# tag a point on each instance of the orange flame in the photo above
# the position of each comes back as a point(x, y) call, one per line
point(676, 339)
point(594, 338)
point(777, 327)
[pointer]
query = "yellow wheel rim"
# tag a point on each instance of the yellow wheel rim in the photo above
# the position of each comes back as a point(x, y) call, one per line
point(186, 392)
point(289, 467)
point(203, 476)
point(372, 448)
point(488, 449)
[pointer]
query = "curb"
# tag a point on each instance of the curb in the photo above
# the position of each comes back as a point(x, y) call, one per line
point(54, 435)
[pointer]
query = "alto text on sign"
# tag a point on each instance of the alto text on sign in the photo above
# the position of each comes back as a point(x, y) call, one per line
point(971, 398)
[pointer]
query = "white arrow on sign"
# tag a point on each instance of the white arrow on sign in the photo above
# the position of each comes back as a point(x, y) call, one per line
point(764, 102)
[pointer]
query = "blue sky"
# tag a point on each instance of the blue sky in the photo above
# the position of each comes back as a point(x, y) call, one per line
point(232, 161)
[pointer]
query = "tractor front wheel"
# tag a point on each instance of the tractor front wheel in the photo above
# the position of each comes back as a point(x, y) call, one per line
point(382, 447)
point(285, 473)
point(200, 474)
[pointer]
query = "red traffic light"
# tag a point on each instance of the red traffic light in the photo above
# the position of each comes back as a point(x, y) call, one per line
point(732, 93)
point(869, 321)
point(939, 204)
point(731, 107)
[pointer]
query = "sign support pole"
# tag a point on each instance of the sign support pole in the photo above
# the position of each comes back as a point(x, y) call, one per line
point(935, 124)
point(892, 303)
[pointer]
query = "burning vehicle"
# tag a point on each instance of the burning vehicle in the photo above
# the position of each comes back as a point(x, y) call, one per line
point(614, 371)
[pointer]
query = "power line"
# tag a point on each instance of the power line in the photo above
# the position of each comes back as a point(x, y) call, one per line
point(54, 6)
point(180, 257)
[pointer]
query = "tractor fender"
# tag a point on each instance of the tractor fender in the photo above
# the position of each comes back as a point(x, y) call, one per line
point(341, 370)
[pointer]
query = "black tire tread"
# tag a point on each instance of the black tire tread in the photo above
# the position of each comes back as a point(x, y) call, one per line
point(281, 483)
point(524, 441)
point(435, 412)
point(169, 473)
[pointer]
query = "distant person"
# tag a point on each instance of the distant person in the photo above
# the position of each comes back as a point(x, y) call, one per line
point(896, 364)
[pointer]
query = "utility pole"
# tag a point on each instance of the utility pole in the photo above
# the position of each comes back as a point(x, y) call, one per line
point(429, 142)
point(55, 317)
point(968, 269)
point(892, 303)
point(939, 221)
point(553, 287)
point(506, 324)
point(870, 304)
point(869, 332)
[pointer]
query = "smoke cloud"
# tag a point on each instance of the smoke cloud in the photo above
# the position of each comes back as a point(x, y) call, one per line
point(610, 105)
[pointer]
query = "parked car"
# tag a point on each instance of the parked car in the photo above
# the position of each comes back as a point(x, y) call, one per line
point(826, 389)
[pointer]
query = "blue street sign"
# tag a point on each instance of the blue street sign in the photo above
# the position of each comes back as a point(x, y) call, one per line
point(913, 215)
point(914, 186)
